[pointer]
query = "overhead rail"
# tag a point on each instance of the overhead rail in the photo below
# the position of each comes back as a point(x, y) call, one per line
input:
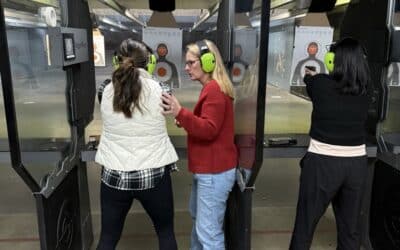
point(115, 24)
point(123, 11)
point(29, 5)
point(282, 10)
point(207, 14)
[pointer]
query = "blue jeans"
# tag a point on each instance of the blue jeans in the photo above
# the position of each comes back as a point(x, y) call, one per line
point(207, 208)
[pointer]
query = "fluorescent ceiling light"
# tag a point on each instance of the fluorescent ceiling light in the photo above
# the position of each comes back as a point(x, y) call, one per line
point(23, 19)
point(102, 27)
point(287, 15)
point(133, 17)
point(24, 23)
point(341, 2)
point(110, 22)
point(278, 3)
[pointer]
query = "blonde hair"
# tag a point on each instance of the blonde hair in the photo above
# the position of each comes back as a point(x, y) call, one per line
point(219, 73)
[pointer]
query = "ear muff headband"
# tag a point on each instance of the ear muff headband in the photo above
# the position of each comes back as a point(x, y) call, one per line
point(329, 61)
point(151, 65)
point(207, 58)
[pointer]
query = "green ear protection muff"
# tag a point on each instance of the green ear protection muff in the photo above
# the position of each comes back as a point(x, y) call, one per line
point(207, 58)
point(330, 56)
point(151, 65)
point(329, 61)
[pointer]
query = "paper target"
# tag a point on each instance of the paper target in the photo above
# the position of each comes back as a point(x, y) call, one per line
point(163, 71)
point(237, 72)
point(97, 57)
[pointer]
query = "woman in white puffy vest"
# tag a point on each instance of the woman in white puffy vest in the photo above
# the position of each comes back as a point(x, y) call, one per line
point(135, 151)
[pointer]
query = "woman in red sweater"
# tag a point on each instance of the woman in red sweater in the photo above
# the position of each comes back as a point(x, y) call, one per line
point(212, 154)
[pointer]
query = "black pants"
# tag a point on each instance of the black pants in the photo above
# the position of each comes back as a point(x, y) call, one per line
point(326, 179)
point(158, 203)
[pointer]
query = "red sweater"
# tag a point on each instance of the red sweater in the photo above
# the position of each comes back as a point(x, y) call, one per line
point(210, 129)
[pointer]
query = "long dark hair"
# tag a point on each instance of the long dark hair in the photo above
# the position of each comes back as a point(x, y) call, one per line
point(127, 86)
point(351, 69)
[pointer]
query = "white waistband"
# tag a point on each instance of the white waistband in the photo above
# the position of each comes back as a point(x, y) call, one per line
point(336, 150)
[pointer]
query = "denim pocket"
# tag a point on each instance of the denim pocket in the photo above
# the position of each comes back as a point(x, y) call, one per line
point(204, 179)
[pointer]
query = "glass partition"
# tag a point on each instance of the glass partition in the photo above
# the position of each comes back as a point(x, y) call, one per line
point(396, 16)
point(244, 74)
point(38, 85)
point(244, 71)
point(392, 121)
point(3, 123)
point(391, 125)
point(288, 107)
point(293, 44)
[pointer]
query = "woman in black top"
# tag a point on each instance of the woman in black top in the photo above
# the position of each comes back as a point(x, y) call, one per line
point(334, 167)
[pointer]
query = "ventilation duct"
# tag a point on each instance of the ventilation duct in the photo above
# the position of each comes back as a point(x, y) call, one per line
point(242, 6)
point(162, 5)
point(321, 5)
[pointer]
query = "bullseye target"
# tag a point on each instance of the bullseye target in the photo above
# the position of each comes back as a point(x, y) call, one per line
point(237, 72)
point(96, 58)
point(163, 71)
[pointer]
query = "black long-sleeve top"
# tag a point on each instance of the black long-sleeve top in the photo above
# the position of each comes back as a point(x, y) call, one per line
point(336, 119)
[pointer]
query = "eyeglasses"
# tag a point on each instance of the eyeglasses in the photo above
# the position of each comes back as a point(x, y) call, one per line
point(190, 63)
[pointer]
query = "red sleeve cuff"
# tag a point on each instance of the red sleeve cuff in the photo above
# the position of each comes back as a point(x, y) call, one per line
point(181, 115)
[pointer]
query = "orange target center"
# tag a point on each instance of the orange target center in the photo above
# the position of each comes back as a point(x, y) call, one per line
point(161, 72)
point(236, 72)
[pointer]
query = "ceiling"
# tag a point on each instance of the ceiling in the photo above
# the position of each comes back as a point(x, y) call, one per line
point(144, 4)
point(132, 15)
point(186, 13)
point(179, 4)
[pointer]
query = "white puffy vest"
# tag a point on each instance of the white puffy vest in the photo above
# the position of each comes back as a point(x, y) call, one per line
point(136, 143)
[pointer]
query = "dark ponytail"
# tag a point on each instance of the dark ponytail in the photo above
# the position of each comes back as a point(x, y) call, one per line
point(127, 85)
